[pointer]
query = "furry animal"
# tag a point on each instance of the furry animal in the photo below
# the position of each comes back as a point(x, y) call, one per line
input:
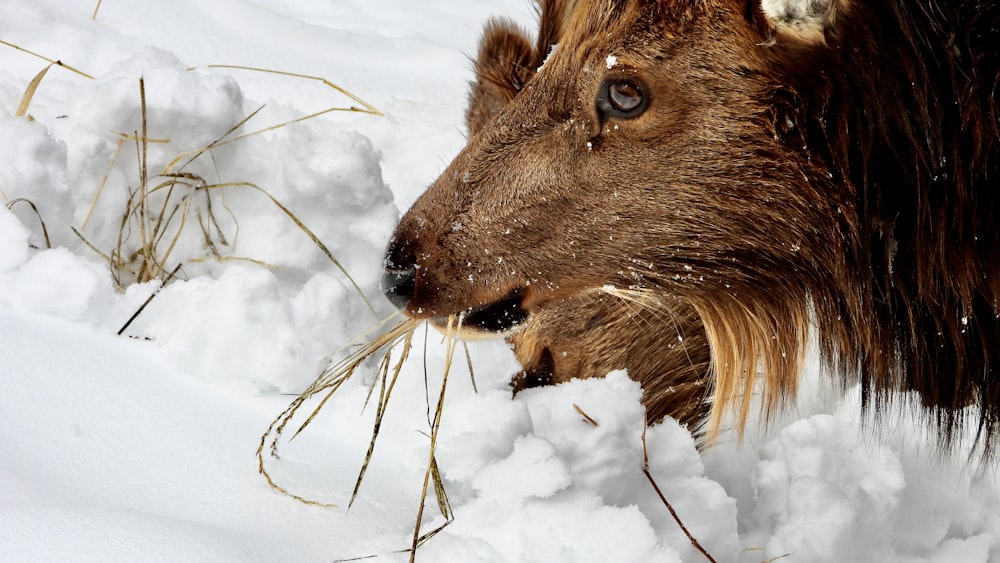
point(742, 173)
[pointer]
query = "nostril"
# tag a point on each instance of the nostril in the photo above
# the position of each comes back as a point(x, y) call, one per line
point(398, 285)
point(399, 277)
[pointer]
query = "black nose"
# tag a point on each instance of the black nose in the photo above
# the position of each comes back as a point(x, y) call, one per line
point(399, 277)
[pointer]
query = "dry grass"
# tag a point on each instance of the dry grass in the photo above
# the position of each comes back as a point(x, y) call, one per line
point(34, 209)
point(770, 559)
point(396, 341)
point(52, 62)
point(165, 204)
point(586, 417)
point(365, 106)
point(162, 206)
point(29, 91)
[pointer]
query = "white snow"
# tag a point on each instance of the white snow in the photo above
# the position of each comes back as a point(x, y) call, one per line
point(141, 447)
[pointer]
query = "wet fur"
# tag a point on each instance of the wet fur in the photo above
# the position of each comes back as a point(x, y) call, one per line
point(834, 176)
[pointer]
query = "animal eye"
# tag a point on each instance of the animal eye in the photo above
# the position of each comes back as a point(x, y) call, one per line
point(622, 98)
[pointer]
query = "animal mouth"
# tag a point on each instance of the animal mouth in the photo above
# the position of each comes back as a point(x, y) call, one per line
point(498, 317)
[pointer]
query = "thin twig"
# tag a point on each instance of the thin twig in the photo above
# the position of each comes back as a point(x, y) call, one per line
point(148, 299)
point(649, 476)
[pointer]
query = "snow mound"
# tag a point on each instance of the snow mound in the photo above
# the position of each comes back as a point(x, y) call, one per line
point(141, 446)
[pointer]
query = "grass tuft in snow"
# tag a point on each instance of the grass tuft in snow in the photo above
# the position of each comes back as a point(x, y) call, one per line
point(328, 382)
point(161, 207)
point(396, 340)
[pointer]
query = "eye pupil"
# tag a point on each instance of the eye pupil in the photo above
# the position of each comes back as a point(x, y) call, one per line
point(624, 96)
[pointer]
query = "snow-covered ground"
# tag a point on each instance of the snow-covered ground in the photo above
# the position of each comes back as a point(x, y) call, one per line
point(141, 447)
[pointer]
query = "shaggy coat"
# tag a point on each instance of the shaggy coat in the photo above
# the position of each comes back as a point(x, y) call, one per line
point(746, 174)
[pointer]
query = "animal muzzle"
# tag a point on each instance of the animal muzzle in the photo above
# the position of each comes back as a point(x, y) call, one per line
point(400, 286)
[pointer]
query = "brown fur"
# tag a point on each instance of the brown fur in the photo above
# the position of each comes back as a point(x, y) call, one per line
point(575, 337)
point(666, 351)
point(840, 178)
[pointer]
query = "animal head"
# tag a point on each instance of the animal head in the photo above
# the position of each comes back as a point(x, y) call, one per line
point(738, 162)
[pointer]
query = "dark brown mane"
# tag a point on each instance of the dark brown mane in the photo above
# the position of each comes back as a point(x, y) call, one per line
point(913, 133)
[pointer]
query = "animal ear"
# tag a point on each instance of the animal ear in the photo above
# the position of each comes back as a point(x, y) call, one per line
point(806, 20)
point(505, 62)
point(507, 59)
point(553, 19)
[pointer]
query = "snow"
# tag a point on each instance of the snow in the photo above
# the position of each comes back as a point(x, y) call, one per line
point(141, 446)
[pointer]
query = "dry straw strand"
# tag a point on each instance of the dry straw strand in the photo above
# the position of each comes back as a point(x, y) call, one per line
point(444, 505)
point(312, 236)
point(29, 93)
point(585, 416)
point(368, 108)
point(383, 404)
point(34, 208)
point(46, 59)
point(156, 230)
point(387, 373)
point(90, 245)
point(427, 388)
point(468, 361)
point(193, 154)
point(224, 140)
point(451, 332)
point(425, 538)
point(104, 181)
point(328, 382)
